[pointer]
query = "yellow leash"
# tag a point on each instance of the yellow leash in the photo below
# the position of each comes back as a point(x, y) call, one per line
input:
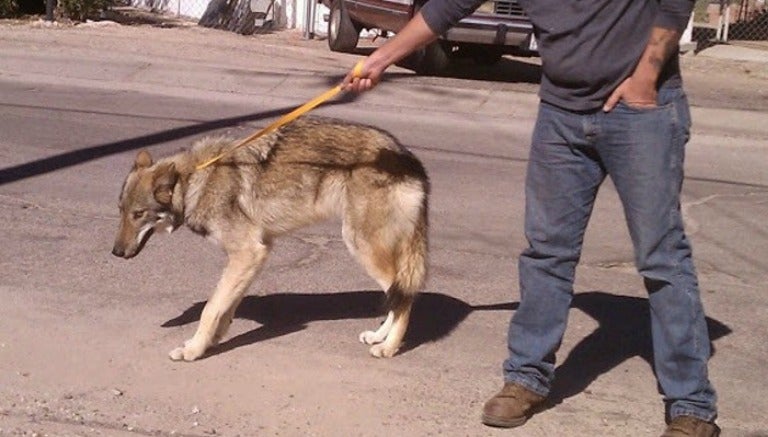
point(287, 118)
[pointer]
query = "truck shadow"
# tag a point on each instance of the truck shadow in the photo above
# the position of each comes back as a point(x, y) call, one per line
point(623, 330)
point(75, 157)
point(510, 69)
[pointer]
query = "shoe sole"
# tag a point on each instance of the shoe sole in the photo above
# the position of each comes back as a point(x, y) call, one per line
point(500, 422)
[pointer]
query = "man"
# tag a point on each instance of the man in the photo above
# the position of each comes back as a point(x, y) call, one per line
point(612, 104)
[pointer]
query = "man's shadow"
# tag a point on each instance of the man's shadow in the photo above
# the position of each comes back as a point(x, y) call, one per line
point(623, 331)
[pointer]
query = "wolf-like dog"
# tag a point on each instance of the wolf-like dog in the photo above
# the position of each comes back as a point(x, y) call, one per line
point(306, 171)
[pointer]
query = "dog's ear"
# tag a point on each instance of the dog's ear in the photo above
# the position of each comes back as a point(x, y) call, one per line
point(165, 178)
point(143, 160)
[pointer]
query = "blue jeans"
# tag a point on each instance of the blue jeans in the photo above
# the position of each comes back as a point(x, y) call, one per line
point(642, 150)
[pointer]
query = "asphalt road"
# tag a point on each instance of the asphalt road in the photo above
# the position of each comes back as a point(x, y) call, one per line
point(84, 335)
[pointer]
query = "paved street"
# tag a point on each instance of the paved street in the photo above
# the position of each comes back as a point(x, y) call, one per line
point(84, 335)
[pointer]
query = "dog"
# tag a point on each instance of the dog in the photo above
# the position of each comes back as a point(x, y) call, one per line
point(309, 170)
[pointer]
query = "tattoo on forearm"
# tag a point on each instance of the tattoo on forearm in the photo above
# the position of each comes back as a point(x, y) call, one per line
point(662, 44)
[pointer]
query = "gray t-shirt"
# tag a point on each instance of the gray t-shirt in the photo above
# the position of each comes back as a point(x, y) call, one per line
point(587, 47)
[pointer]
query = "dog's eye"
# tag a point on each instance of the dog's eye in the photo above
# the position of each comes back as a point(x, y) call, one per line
point(139, 213)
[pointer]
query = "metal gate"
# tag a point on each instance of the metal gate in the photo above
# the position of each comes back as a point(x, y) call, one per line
point(738, 20)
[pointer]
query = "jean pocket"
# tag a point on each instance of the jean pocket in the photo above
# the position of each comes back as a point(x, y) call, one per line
point(628, 107)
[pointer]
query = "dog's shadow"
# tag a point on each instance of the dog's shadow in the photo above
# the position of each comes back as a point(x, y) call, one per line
point(434, 315)
point(623, 331)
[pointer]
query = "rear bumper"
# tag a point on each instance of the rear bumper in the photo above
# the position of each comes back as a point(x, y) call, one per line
point(483, 31)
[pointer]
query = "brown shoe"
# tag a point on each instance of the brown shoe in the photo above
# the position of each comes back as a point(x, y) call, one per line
point(690, 426)
point(511, 407)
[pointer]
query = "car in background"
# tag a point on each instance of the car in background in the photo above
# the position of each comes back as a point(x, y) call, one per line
point(496, 28)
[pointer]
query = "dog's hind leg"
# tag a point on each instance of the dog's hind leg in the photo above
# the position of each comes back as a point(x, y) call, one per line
point(380, 268)
point(393, 252)
point(242, 266)
point(400, 303)
point(377, 336)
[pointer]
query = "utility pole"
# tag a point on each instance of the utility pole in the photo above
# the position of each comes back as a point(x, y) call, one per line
point(49, 6)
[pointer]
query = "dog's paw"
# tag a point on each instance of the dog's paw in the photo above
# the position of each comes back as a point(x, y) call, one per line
point(176, 354)
point(381, 351)
point(188, 352)
point(371, 337)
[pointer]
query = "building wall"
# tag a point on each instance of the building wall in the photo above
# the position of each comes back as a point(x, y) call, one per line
point(289, 14)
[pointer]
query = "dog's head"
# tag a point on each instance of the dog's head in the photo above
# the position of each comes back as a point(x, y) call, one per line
point(146, 204)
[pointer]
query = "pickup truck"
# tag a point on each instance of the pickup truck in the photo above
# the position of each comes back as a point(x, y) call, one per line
point(496, 28)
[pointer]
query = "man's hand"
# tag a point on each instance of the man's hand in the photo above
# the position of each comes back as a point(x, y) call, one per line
point(634, 91)
point(363, 77)
point(414, 35)
point(639, 89)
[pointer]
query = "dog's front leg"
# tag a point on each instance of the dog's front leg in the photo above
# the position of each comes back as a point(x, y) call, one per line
point(242, 266)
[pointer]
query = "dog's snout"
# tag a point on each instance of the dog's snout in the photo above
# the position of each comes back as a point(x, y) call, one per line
point(118, 251)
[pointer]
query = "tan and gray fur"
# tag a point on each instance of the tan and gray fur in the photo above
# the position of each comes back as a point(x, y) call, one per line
point(309, 170)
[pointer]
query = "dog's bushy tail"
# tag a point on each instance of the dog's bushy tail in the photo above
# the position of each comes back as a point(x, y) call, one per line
point(411, 264)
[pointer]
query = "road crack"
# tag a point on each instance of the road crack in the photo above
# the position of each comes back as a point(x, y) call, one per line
point(37, 419)
point(11, 201)
point(691, 225)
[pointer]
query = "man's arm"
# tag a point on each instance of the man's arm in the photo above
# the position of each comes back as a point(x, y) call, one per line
point(414, 35)
point(640, 88)
point(434, 19)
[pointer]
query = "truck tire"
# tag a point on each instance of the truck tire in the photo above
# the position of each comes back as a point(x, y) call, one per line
point(343, 33)
point(487, 56)
point(432, 59)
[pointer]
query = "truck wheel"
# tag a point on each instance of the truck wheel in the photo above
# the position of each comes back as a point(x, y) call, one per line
point(343, 34)
point(487, 56)
point(430, 60)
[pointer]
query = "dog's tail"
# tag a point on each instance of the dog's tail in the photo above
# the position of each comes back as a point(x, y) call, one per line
point(411, 264)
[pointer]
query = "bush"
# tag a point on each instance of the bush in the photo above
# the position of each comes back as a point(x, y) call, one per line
point(80, 10)
point(8, 8)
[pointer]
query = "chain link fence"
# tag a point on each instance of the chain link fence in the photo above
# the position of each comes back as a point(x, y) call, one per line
point(732, 20)
point(241, 16)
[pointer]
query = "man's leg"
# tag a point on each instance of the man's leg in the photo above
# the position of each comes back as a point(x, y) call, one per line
point(643, 151)
point(561, 184)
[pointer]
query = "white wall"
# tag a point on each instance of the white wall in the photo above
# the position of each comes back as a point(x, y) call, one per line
point(320, 26)
point(291, 14)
